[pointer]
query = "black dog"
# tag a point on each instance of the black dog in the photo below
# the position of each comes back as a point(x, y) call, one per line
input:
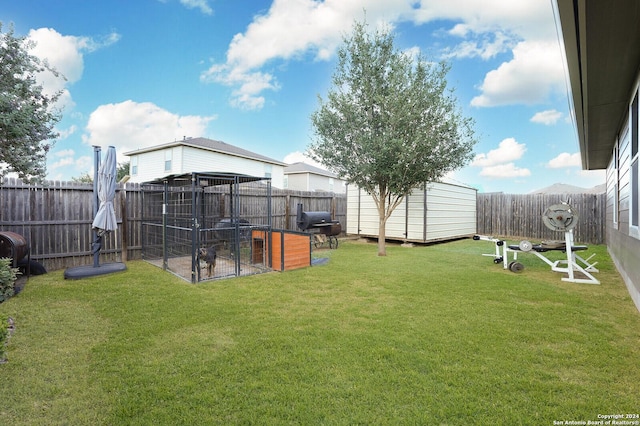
point(208, 255)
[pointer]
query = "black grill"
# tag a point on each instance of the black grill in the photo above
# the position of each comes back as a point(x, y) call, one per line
point(319, 221)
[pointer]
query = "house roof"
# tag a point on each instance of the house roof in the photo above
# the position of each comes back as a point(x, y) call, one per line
point(299, 167)
point(209, 145)
point(602, 45)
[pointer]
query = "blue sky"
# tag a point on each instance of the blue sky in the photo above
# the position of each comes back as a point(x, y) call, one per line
point(248, 72)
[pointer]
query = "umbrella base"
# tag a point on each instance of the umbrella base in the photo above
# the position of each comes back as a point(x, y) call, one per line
point(91, 271)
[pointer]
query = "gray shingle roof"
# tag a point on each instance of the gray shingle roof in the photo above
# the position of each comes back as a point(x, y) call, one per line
point(210, 145)
point(307, 168)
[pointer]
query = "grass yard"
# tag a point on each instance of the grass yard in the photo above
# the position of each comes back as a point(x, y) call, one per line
point(433, 335)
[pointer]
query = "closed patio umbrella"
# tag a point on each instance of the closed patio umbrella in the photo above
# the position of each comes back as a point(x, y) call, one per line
point(104, 221)
point(105, 218)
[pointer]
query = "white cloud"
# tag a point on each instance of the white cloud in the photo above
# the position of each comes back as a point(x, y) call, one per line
point(508, 150)
point(485, 46)
point(288, 30)
point(531, 77)
point(301, 157)
point(65, 54)
point(247, 96)
point(565, 160)
point(66, 165)
point(203, 5)
point(527, 18)
point(504, 171)
point(66, 161)
point(294, 29)
point(131, 125)
point(63, 162)
point(65, 153)
point(499, 163)
point(591, 178)
point(547, 118)
point(65, 133)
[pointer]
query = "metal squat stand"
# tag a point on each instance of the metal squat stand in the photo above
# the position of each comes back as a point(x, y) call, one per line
point(559, 217)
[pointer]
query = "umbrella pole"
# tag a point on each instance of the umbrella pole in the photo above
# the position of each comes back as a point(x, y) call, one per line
point(97, 239)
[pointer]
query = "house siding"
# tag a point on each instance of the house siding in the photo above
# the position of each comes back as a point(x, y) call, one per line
point(186, 159)
point(314, 182)
point(150, 166)
point(297, 182)
point(622, 245)
point(319, 183)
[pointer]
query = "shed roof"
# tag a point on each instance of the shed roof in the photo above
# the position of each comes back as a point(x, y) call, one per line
point(209, 145)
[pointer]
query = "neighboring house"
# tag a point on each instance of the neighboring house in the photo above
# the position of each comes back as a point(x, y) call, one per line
point(201, 155)
point(304, 177)
point(602, 45)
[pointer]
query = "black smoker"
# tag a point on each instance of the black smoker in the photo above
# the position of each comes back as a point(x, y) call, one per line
point(321, 223)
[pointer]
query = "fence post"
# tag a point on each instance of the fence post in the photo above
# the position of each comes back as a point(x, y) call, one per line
point(125, 226)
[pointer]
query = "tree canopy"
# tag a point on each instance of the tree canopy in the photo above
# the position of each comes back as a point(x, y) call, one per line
point(121, 171)
point(390, 123)
point(27, 114)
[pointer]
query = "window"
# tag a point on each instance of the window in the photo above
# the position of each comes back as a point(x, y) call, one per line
point(331, 183)
point(267, 170)
point(615, 165)
point(634, 212)
point(167, 160)
point(134, 165)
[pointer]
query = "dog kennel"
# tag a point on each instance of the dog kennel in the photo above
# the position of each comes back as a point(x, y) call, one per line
point(184, 213)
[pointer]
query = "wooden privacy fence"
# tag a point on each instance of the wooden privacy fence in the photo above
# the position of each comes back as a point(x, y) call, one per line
point(55, 219)
point(520, 215)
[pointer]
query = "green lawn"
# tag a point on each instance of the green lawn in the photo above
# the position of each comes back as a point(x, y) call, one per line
point(427, 335)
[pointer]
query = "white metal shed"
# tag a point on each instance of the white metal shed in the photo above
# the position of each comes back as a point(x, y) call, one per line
point(436, 212)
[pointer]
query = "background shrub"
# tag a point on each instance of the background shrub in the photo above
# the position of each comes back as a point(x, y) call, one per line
point(8, 276)
point(4, 337)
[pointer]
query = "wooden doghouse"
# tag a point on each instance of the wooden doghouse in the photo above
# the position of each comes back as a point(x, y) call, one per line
point(281, 250)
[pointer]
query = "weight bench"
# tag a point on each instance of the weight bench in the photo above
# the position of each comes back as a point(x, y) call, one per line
point(572, 264)
point(545, 247)
point(559, 217)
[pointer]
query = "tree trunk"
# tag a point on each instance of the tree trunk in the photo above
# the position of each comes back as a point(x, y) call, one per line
point(382, 229)
point(382, 232)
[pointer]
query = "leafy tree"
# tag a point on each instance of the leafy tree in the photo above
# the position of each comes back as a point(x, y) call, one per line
point(121, 171)
point(389, 123)
point(83, 178)
point(27, 115)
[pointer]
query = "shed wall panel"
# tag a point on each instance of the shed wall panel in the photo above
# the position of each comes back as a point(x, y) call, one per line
point(396, 224)
point(449, 211)
point(416, 215)
point(353, 210)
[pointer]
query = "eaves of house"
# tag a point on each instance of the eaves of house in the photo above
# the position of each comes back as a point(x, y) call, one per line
point(602, 44)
